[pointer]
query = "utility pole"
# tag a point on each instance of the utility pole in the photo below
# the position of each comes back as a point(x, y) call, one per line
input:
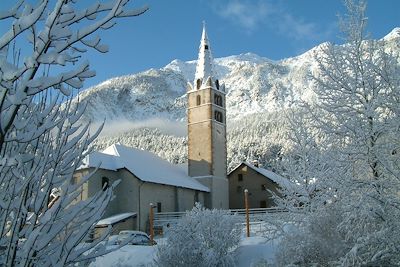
point(151, 224)
point(246, 204)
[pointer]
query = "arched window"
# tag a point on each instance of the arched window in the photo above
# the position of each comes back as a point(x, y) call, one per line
point(218, 116)
point(217, 84)
point(198, 100)
point(105, 183)
point(198, 83)
point(218, 100)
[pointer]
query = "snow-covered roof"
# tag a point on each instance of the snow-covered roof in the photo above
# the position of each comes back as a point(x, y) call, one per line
point(116, 218)
point(281, 181)
point(145, 165)
point(104, 161)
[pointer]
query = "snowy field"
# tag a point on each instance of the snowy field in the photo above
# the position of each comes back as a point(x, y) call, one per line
point(251, 251)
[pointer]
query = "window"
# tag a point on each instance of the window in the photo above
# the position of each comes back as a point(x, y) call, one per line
point(105, 183)
point(218, 116)
point(264, 187)
point(74, 180)
point(218, 100)
point(263, 204)
point(139, 239)
point(198, 83)
point(217, 84)
point(239, 189)
point(206, 47)
point(198, 100)
point(158, 206)
point(240, 177)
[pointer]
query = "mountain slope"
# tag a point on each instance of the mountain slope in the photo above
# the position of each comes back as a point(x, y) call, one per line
point(254, 85)
point(258, 89)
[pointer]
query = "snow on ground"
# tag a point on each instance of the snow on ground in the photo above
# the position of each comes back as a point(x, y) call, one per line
point(255, 250)
point(129, 255)
point(251, 251)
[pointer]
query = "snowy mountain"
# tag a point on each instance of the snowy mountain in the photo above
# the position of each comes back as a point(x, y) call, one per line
point(257, 90)
point(254, 84)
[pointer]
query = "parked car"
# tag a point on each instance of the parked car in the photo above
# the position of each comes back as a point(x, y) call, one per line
point(135, 238)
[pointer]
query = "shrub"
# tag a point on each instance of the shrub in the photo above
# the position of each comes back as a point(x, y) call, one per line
point(202, 237)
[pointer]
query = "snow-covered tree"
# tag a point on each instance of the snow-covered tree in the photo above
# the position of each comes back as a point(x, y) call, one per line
point(302, 161)
point(358, 89)
point(358, 116)
point(201, 238)
point(262, 140)
point(41, 140)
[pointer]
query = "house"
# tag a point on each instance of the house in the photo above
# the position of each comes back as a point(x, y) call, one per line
point(144, 178)
point(258, 181)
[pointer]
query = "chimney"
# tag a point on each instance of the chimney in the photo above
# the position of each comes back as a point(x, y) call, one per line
point(255, 163)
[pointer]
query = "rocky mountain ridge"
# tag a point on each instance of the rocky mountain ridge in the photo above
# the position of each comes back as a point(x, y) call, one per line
point(254, 85)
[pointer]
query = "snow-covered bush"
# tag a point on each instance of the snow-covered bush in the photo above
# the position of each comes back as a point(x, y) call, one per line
point(201, 238)
point(317, 241)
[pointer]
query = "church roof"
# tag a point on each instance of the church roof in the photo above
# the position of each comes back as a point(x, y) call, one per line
point(145, 165)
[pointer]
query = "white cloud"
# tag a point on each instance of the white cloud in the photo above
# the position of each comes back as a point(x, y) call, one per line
point(297, 28)
point(245, 14)
point(251, 15)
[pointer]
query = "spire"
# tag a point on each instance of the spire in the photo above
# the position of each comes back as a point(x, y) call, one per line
point(204, 62)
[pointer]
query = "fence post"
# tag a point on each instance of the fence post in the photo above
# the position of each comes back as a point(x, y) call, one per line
point(151, 224)
point(246, 204)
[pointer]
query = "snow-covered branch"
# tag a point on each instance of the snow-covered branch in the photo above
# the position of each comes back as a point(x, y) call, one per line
point(357, 115)
point(42, 142)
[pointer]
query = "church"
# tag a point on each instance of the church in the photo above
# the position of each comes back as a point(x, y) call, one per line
point(145, 178)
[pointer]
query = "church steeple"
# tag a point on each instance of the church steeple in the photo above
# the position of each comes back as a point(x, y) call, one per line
point(207, 129)
point(204, 68)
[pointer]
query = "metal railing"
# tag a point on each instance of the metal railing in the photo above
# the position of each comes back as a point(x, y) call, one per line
point(164, 219)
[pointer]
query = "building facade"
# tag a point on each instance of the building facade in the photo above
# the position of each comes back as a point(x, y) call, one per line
point(258, 181)
point(207, 129)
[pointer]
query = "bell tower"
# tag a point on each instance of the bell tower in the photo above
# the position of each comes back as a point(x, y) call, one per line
point(207, 128)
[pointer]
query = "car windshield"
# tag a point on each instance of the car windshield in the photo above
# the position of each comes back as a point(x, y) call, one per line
point(126, 233)
point(134, 238)
point(140, 240)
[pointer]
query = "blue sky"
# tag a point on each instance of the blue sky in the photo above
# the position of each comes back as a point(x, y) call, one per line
point(274, 29)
